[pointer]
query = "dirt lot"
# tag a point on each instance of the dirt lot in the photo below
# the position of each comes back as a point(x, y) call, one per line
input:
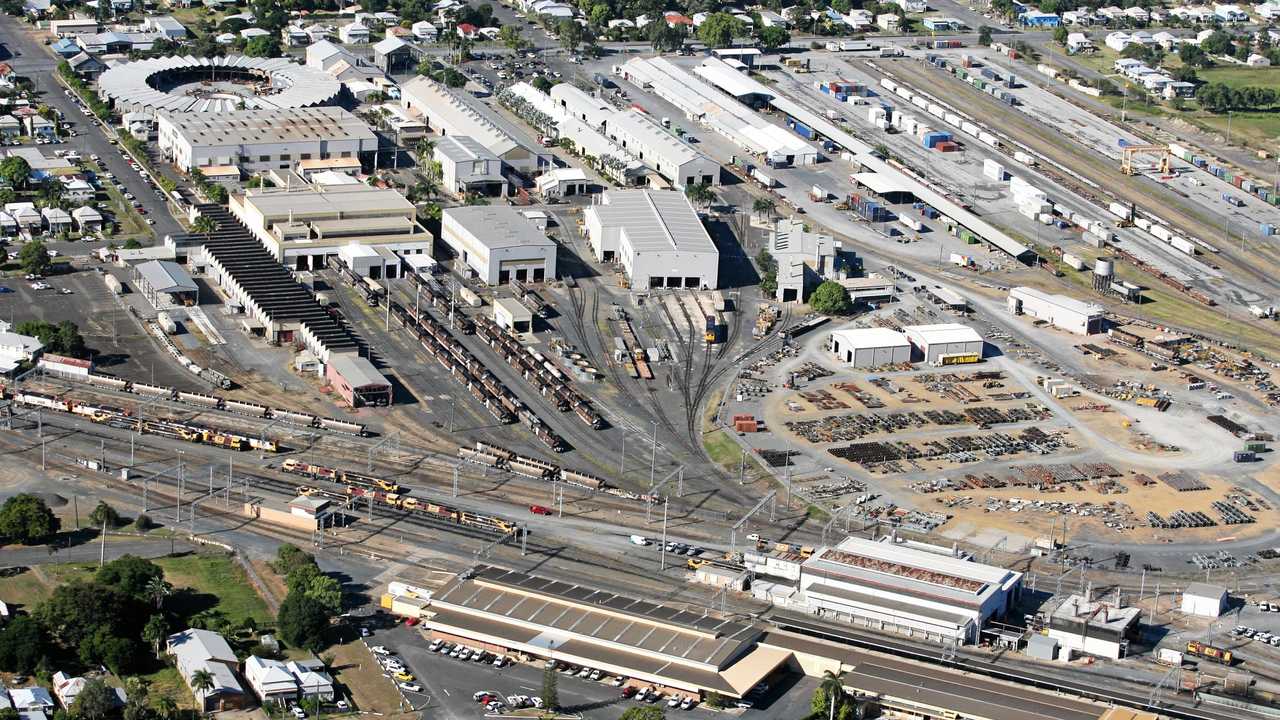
point(355, 668)
point(1130, 508)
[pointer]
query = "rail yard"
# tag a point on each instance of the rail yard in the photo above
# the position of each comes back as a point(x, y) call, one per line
point(697, 377)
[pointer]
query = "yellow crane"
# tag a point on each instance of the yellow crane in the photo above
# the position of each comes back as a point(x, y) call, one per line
point(1129, 152)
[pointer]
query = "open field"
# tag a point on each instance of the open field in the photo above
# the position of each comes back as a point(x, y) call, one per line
point(216, 578)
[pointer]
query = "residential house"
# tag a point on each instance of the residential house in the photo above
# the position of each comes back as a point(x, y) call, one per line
point(341, 63)
point(889, 22)
point(386, 18)
point(467, 31)
point(1110, 13)
point(8, 226)
point(56, 220)
point(769, 18)
point(1037, 19)
point(393, 55)
point(318, 32)
point(1229, 13)
point(1268, 10)
point(1142, 37)
point(425, 31)
point(225, 38)
point(30, 699)
point(76, 189)
point(912, 6)
point(1166, 40)
point(271, 681)
point(1203, 35)
point(167, 26)
point(1137, 15)
point(195, 650)
point(250, 33)
point(87, 219)
point(37, 8)
point(25, 215)
point(66, 48)
point(10, 127)
point(87, 66)
point(1179, 89)
point(940, 24)
point(860, 19)
point(65, 686)
point(1118, 40)
point(1077, 17)
point(16, 349)
point(353, 34)
point(313, 681)
point(1079, 43)
point(1256, 60)
point(294, 36)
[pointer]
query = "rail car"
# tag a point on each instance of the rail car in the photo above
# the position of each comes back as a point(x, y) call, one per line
point(94, 411)
point(529, 470)
point(297, 467)
point(41, 400)
point(345, 477)
point(478, 457)
point(573, 477)
point(246, 408)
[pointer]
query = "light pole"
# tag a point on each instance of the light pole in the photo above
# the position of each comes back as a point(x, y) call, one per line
point(1229, 127)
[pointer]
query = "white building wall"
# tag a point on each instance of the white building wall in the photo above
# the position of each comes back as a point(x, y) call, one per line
point(1061, 317)
point(1202, 606)
point(1087, 645)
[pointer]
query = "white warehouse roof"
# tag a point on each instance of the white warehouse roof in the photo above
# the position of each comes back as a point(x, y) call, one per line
point(656, 221)
point(1063, 301)
point(867, 338)
point(942, 334)
point(498, 226)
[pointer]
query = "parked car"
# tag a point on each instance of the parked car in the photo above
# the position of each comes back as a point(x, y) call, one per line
point(411, 687)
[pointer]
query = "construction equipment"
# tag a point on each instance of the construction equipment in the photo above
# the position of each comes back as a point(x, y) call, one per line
point(1129, 152)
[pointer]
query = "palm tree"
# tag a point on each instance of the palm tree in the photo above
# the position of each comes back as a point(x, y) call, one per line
point(204, 225)
point(831, 690)
point(701, 194)
point(764, 207)
point(157, 588)
point(201, 682)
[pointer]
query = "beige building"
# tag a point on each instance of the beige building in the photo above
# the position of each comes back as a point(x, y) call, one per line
point(303, 226)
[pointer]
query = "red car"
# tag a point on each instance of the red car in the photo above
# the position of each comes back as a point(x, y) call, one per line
point(540, 510)
point(628, 691)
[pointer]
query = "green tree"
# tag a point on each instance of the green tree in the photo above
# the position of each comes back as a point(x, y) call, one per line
point(217, 194)
point(542, 84)
point(1060, 34)
point(643, 712)
point(550, 691)
point(76, 611)
point(69, 340)
point(326, 591)
point(302, 621)
point(131, 575)
point(1218, 43)
point(715, 700)
point(269, 15)
point(8, 713)
point(263, 46)
point(202, 681)
point(763, 207)
point(26, 519)
point(666, 38)
point(831, 298)
point(984, 35)
point(155, 632)
point(22, 645)
point(829, 700)
point(166, 708)
point(718, 29)
point(511, 38)
point(570, 34)
point(774, 37)
point(104, 514)
point(95, 701)
point(204, 225)
point(700, 194)
point(15, 171)
point(34, 257)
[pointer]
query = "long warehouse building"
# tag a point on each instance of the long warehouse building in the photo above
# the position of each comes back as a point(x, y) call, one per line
point(259, 140)
point(703, 104)
point(906, 589)
point(893, 179)
point(1060, 311)
point(447, 112)
point(611, 159)
point(656, 236)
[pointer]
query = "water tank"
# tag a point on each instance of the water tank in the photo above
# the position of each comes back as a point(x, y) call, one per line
point(1104, 267)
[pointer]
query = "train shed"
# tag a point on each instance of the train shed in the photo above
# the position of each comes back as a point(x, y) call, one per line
point(358, 381)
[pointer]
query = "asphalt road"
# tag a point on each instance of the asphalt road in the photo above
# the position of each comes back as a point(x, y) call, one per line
point(30, 58)
point(91, 551)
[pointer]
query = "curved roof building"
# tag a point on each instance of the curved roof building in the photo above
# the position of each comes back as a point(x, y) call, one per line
point(217, 84)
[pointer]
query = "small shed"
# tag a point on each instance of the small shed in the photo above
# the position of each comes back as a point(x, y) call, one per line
point(511, 314)
point(307, 506)
point(1042, 647)
point(358, 381)
point(164, 283)
point(1204, 600)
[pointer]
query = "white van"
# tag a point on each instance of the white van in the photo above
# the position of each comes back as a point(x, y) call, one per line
point(639, 540)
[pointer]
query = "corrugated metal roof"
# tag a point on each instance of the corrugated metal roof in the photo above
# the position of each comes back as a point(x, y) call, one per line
point(655, 221)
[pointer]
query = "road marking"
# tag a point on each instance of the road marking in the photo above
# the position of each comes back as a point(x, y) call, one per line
point(446, 692)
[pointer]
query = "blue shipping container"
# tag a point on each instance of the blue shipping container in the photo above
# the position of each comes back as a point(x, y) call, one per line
point(933, 138)
point(804, 131)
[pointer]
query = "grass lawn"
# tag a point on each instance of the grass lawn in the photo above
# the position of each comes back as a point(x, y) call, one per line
point(166, 682)
point(214, 582)
point(1236, 76)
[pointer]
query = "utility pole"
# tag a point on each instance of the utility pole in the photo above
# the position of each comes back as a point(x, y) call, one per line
point(666, 500)
point(653, 454)
point(102, 545)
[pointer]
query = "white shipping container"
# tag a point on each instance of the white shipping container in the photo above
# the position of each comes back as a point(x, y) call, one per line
point(882, 124)
point(922, 130)
point(1178, 150)
point(961, 260)
point(469, 297)
point(1072, 261)
point(1161, 232)
point(902, 92)
point(875, 114)
point(970, 127)
point(1142, 223)
point(953, 119)
point(936, 110)
point(919, 101)
point(992, 170)
point(1096, 226)
point(1046, 218)
point(1029, 211)
point(989, 139)
point(1033, 207)
point(762, 178)
point(1024, 158)
point(1184, 245)
point(1120, 210)
point(911, 222)
point(1046, 70)
point(888, 84)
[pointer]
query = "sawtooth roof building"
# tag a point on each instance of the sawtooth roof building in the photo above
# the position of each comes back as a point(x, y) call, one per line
point(447, 112)
point(260, 140)
point(678, 650)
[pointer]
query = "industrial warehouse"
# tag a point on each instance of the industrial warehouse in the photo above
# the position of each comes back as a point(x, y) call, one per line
point(675, 650)
point(655, 236)
point(498, 244)
point(257, 140)
point(450, 113)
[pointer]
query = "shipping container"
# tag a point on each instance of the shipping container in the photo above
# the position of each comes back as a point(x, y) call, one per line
point(803, 130)
point(930, 139)
point(1183, 246)
point(1024, 158)
point(1120, 210)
